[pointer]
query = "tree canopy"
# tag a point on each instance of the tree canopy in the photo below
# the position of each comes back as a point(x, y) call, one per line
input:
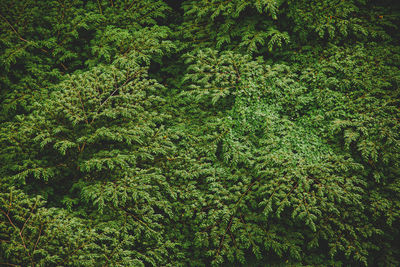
point(199, 133)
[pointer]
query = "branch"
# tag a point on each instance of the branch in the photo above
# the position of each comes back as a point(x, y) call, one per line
point(223, 237)
point(9, 264)
point(231, 219)
point(30, 216)
point(20, 235)
point(119, 87)
point(14, 30)
point(40, 234)
point(15, 227)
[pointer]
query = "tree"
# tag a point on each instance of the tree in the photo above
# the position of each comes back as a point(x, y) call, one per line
point(199, 133)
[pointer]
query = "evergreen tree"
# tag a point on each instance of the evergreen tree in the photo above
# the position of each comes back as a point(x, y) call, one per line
point(199, 133)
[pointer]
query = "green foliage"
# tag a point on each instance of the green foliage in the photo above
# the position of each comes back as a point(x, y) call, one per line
point(340, 20)
point(274, 173)
point(82, 138)
point(42, 41)
point(247, 25)
point(32, 234)
point(199, 133)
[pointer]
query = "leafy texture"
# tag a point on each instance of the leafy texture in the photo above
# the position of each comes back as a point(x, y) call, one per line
point(199, 133)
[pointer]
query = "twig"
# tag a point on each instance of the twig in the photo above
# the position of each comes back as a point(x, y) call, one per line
point(20, 235)
point(8, 264)
point(116, 89)
point(14, 30)
point(223, 237)
point(231, 219)
point(40, 234)
point(101, 11)
point(15, 227)
point(30, 216)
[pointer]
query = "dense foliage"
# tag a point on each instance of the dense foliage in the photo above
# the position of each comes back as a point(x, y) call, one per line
point(198, 133)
